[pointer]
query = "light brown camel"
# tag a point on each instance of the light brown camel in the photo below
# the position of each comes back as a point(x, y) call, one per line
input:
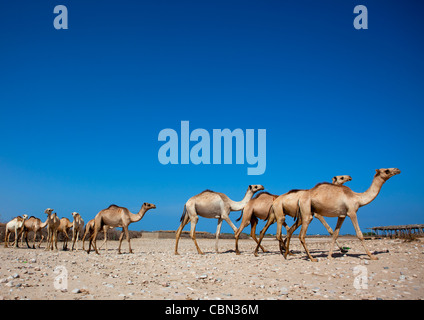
point(288, 201)
point(337, 201)
point(15, 225)
point(116, 216)
point(257, 207)
point(210, 204)
point(77, 229)
point(89, 229)
point(64, 226)
point(52, 229)
point(35, 225)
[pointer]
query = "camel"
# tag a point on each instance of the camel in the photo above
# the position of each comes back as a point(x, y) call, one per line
point(35, 225)
point(210, 204)
point(257, 207)
point(77, 229)
point(288, 203)
point(89, 229)
point(116, 216)
point(64, 226)
point(14, 225)
point(53, 223)
point(337, 201)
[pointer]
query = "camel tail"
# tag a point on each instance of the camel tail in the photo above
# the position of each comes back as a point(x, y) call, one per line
point(298, 212)
point(240, 215)
point(184, 213)
point(271, 208)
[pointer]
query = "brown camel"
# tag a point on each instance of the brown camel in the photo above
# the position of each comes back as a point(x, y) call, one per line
point(257, 207)
point(89, 229)
point(53, 223)
point(35, 225)
point(15, 225)
point(337, 201)
point(77, 229)
point(116, 216)
point(289, 201)
point(64, 226)
point(210, 204)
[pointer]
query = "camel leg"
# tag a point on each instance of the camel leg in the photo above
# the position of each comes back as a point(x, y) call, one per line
point(193, 223)
point(253, 224)
point(55, 234)
point(290, 232)
point(83, 238)
point(6, 238)
point(121, 236)
point(33, 240)
point(302, 234)
point(227, 219)
point(41, 239)
point(244, 223)
point(65, 242)
point(73, 239)
point(92, 242)
point(269, 222)
point(340, 221)
point(127, 235)
point(330, 231)
point(354, 219)
point(16, 239)
point(104, 238)
point(218, 231)
point(179, 231)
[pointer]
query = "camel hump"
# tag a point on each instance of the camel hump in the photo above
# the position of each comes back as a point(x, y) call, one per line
point(207, 190)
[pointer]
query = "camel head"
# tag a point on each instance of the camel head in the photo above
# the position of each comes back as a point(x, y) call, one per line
point(341, 179)
point(256, 187)
point(386, 174)
point(75, 214)
point(149, 206)
point(48, 211)
point(24, 217)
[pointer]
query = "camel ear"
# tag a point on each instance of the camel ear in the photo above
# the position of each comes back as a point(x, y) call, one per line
point(334, 179)
point(377, 171)
point(250, 187)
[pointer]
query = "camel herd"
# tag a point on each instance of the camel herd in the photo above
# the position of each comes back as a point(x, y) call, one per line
point(324, 200)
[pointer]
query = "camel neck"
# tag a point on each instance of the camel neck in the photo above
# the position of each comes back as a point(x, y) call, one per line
point(43, 224)
point(372, 192)
point(138, 216)
point(237, 206)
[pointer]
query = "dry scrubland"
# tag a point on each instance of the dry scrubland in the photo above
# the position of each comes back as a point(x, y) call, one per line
point(154, 272)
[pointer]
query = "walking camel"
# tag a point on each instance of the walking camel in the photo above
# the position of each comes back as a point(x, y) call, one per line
point(262, 208)
point(116, 216)
point(14, 225)
point(77, 229)
point(64, 226)
point(35, 225)
point(257, 207)
point(337, 201)
point(210, 204)
point(53, 223)
point(89, 229)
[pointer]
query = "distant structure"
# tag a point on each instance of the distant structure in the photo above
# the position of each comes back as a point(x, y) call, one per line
point(401, 231)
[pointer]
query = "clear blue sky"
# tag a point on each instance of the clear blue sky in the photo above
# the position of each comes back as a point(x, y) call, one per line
point(81, 109)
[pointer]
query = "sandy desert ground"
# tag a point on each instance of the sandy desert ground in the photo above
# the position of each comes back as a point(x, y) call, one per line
point(154, 272)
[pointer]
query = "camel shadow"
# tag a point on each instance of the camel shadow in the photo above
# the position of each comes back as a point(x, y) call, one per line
point(324, 254)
